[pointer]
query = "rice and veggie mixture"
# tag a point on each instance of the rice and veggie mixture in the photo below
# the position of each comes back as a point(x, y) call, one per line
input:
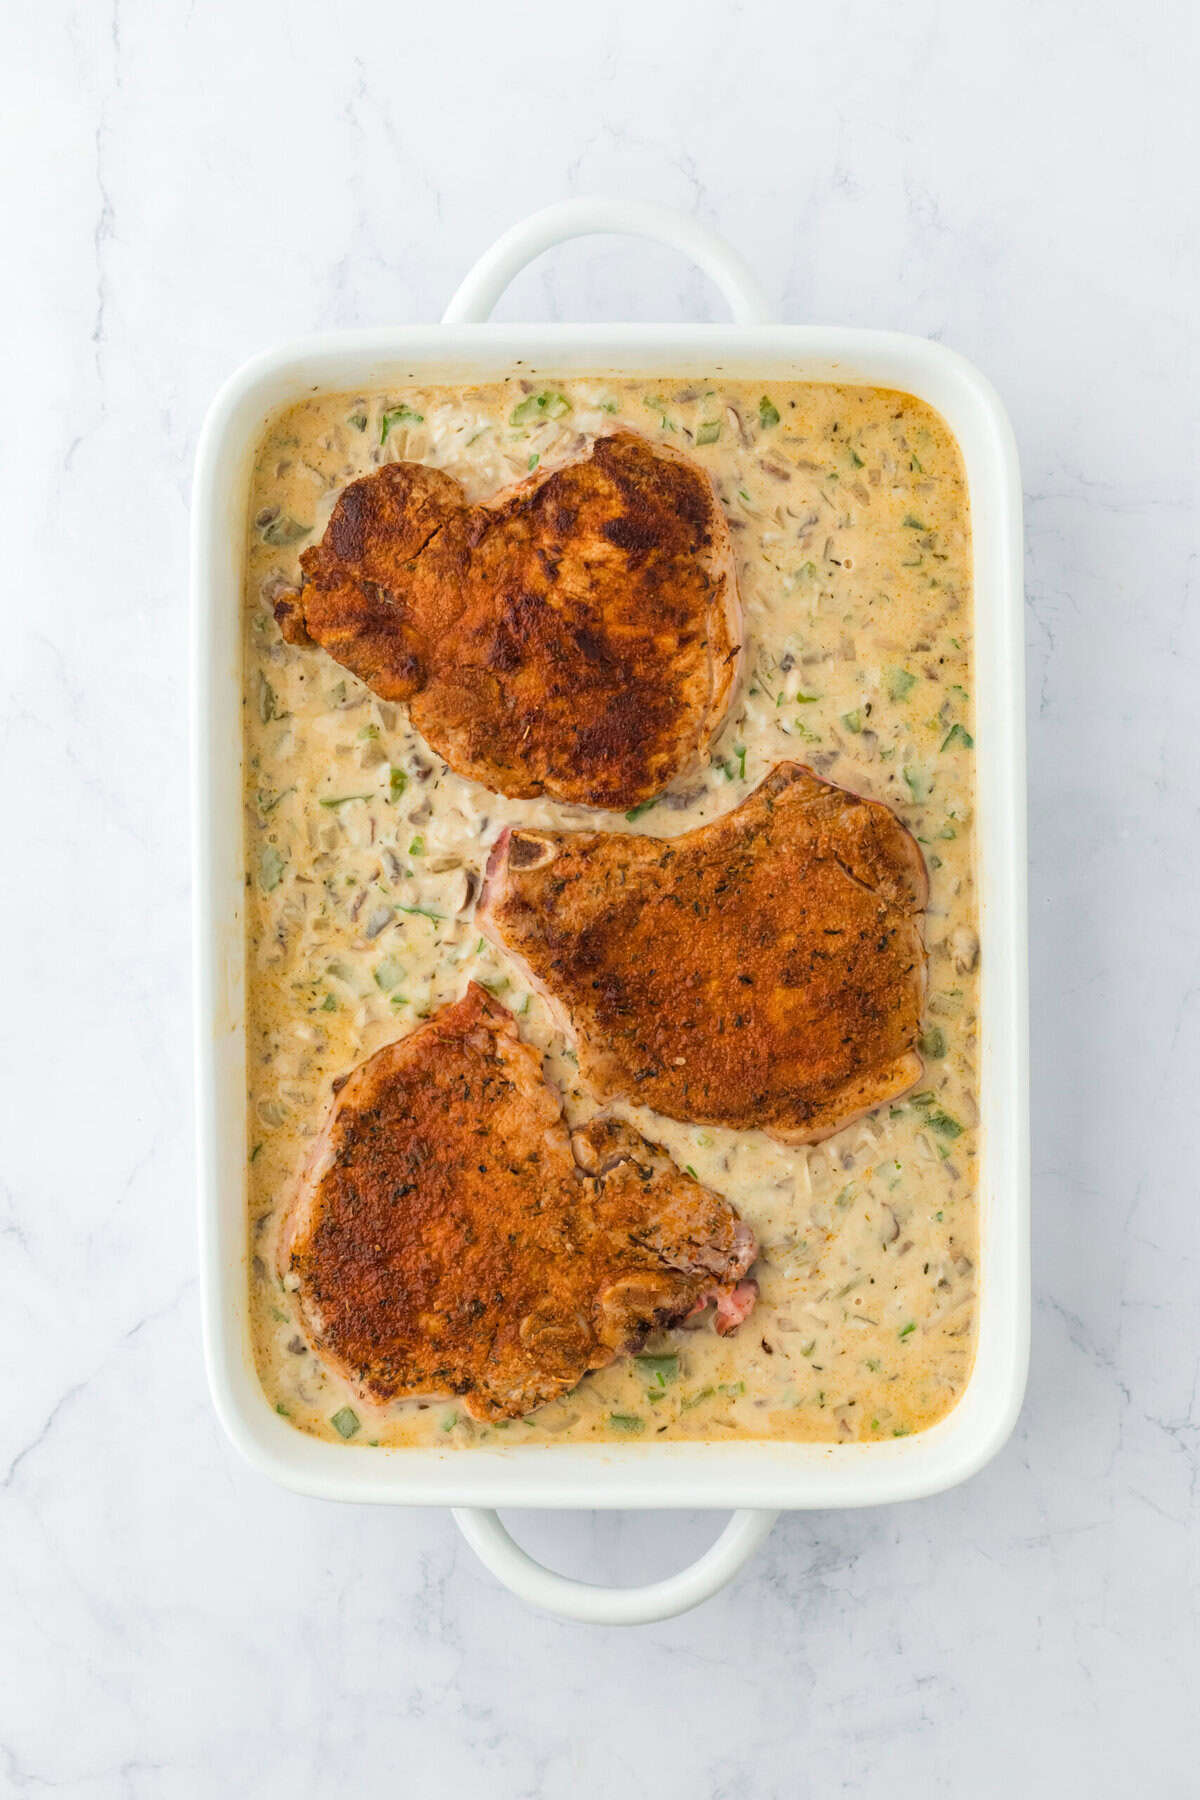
point(850, 523)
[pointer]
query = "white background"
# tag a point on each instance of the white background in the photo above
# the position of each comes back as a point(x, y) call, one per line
point(186, 184)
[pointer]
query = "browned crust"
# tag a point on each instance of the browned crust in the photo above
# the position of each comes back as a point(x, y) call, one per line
point(765, 970)
point(574, 636)
point(445, 1238)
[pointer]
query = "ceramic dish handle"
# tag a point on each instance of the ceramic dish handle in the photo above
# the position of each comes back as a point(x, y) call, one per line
point(581, 218)
point(569, 1599)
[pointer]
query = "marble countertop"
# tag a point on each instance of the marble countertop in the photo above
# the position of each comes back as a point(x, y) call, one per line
point(185, 185)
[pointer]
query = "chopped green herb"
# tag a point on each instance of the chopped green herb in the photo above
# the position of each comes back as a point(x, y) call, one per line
point(957, 734)
point(803, 699)
point(626, 1422)
point(417, 847)
point(913, 523)
point(329, 1004)
point(282, 1410)
point(691, 1171)
point(344, 799)
point(932, 1041)
point(266, 700)
point(900, 684)
point(853, 721)
point(345, 1421)
point(907, 1330)
point(739, 750)
point(807, 1349)
point(254, 1153)
point(284, 530)
point(943, 1124)
point(271, 864)
point(732, 1388)
point(368, 731)
point(768, 413)
point(919, 782)
point(537, 407)
point(643, 806)
point(534, 460)
point(388, 974)
point(450, 1421)
point(709, 432)
point(704, 1393)
point(901, 1431)
point(855, 458)
point(745, 496)
point(422, 912)
point(358, 420)
point(399, 415)
point(397, 782)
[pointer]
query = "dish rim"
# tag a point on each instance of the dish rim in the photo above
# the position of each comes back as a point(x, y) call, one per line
point(748, 1472)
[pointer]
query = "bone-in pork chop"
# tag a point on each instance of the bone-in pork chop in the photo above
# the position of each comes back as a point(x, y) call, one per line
point(449, 1236)
point(575, 636)
point(763, 970)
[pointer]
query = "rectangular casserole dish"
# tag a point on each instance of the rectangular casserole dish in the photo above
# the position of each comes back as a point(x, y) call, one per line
point(742, 1474)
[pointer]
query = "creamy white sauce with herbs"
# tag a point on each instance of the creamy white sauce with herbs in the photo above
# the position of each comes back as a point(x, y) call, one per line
point(850, 522)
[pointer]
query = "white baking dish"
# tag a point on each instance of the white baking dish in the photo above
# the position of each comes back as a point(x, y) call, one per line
point(755, 1477)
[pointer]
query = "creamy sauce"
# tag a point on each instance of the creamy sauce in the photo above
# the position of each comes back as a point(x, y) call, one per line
point(850, 524)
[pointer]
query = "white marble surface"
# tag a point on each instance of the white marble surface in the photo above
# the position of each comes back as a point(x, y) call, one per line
point(186, 184)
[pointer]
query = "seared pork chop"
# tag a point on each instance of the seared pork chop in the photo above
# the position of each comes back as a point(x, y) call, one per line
point(576, 635)
point(763, 970)
point(449, 1236)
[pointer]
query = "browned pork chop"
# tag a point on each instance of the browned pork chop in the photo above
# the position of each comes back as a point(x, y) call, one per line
point(764, 970)
point(576, 635)
point(450, 1237)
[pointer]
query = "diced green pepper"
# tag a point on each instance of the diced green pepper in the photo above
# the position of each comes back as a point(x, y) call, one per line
point(537, 407)
point(659, 1370)
point(271, 864)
